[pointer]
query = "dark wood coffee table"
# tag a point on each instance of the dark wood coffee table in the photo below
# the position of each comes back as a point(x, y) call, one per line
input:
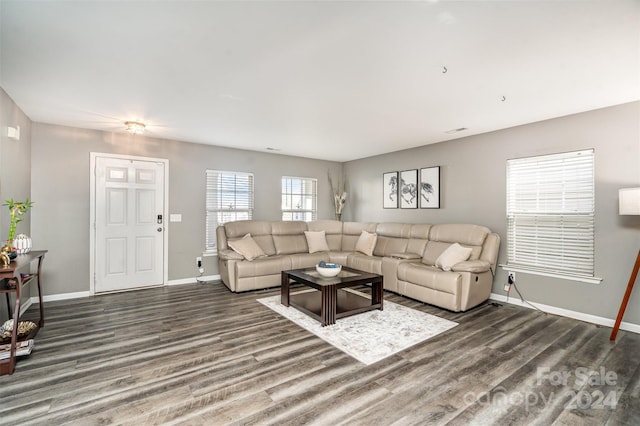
point(330, 302)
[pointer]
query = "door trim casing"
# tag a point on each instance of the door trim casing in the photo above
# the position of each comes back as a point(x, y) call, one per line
point(92, 213)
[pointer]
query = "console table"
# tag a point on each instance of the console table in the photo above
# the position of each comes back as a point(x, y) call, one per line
point(13, 278)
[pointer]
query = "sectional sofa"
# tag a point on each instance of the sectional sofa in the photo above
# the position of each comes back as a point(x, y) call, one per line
point(448, 265)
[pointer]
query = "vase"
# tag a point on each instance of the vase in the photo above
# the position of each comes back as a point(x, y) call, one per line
point(22, 244)
point(339, 216)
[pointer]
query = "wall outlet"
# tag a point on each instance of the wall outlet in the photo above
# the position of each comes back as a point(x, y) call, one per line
point(511, 277)
point(199, 262)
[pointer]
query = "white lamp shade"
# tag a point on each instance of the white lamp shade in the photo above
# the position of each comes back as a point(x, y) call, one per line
point(629, 199)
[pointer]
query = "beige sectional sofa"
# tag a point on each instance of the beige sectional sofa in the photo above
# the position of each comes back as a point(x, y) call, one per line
point(405, 254)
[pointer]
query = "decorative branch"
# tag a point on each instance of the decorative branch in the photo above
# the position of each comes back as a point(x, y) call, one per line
point(339, 194)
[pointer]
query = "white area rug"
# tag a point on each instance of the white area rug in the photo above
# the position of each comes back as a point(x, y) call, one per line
point(370, 336)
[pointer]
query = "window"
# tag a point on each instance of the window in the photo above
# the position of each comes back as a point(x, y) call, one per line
point(229, 197)
point(550, 214)
point(299, 198)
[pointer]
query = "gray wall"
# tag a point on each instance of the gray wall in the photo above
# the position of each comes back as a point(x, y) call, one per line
point(473, 182)
point(15, 169)
point(60, 176)
point(15, 163)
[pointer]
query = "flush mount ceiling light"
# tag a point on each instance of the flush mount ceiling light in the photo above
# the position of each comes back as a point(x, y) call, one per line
point(135, 127)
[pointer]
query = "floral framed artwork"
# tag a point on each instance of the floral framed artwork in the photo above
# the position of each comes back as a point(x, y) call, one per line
point(390, 190)
point(408, 189)
point(430, 188)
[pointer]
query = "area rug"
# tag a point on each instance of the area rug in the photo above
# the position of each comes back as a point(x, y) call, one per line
point(370, 336)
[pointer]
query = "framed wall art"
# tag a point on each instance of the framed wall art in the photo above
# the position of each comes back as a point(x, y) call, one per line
point(390, 190)
point(430, 188)
point(408, 189)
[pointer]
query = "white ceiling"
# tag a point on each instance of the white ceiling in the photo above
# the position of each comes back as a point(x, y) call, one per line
point(331, 80)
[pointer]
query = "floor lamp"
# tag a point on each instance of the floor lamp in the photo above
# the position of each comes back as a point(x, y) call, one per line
point(629, 205)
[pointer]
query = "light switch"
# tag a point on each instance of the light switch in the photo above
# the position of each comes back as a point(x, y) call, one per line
point(175, 217)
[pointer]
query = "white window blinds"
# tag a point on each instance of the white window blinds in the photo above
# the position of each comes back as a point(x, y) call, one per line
point(229, 197)
point(299, 198)
point(550, 213)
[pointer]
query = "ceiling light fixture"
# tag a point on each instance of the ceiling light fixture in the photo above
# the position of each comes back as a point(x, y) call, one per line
point(134, 127)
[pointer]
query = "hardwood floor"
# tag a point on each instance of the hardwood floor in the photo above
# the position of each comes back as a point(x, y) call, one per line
point(198, 354)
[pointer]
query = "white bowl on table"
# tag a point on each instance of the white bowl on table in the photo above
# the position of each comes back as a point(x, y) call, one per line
point(329, 270)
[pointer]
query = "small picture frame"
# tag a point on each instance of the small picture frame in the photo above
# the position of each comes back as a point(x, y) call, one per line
point(408, 189)
point(390, 190)
point(429, 188)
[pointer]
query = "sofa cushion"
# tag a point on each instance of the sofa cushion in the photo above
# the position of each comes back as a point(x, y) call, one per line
point(270, 265)
point(474, 266)
point(444, 235)
point(307, 260)
point(392, 238)
point(418, 238)
point(288, 237)
point(429, 277)
point(351, 232)
point(317, 241)
point(466, 234)
point(260, 232)
point(435, 248)
point(366, 243)
point(362, 262)
point(452, 255)
point(332, 232)
point(247, 247)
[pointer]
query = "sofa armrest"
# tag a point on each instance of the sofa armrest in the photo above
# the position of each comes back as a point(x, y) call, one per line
point(227, 254)
point(475, 266)
point(406, 256)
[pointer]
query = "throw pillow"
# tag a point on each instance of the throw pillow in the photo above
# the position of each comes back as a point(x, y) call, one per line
point(247, 247)
point(455, 253)
point(366, 243)
point(317, 241)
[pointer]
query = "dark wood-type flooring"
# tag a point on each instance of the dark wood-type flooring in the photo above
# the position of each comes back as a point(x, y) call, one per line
point(198, 354)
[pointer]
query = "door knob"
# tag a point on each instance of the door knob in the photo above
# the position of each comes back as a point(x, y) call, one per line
point(160, 229)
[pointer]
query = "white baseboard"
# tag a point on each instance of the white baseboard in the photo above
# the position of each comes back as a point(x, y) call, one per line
point(53, 298)
point(26, 305)
point(635, 328)
point(80, 294)
point(63, 296)
point(194, 280)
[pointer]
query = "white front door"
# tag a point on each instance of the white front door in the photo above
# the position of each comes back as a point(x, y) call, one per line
point(129, 224)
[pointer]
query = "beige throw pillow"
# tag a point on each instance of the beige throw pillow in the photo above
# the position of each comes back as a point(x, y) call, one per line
point(366, 243)
point(455, 253)
point(247, 247)
point(317, 241)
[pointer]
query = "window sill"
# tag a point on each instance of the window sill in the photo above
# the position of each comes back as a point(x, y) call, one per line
point(209, 254)
point(525, 270)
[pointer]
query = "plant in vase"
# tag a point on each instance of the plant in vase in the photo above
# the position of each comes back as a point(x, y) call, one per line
point(339, 195)
point(16, 209)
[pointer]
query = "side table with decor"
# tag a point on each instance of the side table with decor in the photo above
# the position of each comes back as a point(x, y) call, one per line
point(14, 277)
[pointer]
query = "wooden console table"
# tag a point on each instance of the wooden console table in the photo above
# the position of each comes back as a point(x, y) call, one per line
point(12, 280)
